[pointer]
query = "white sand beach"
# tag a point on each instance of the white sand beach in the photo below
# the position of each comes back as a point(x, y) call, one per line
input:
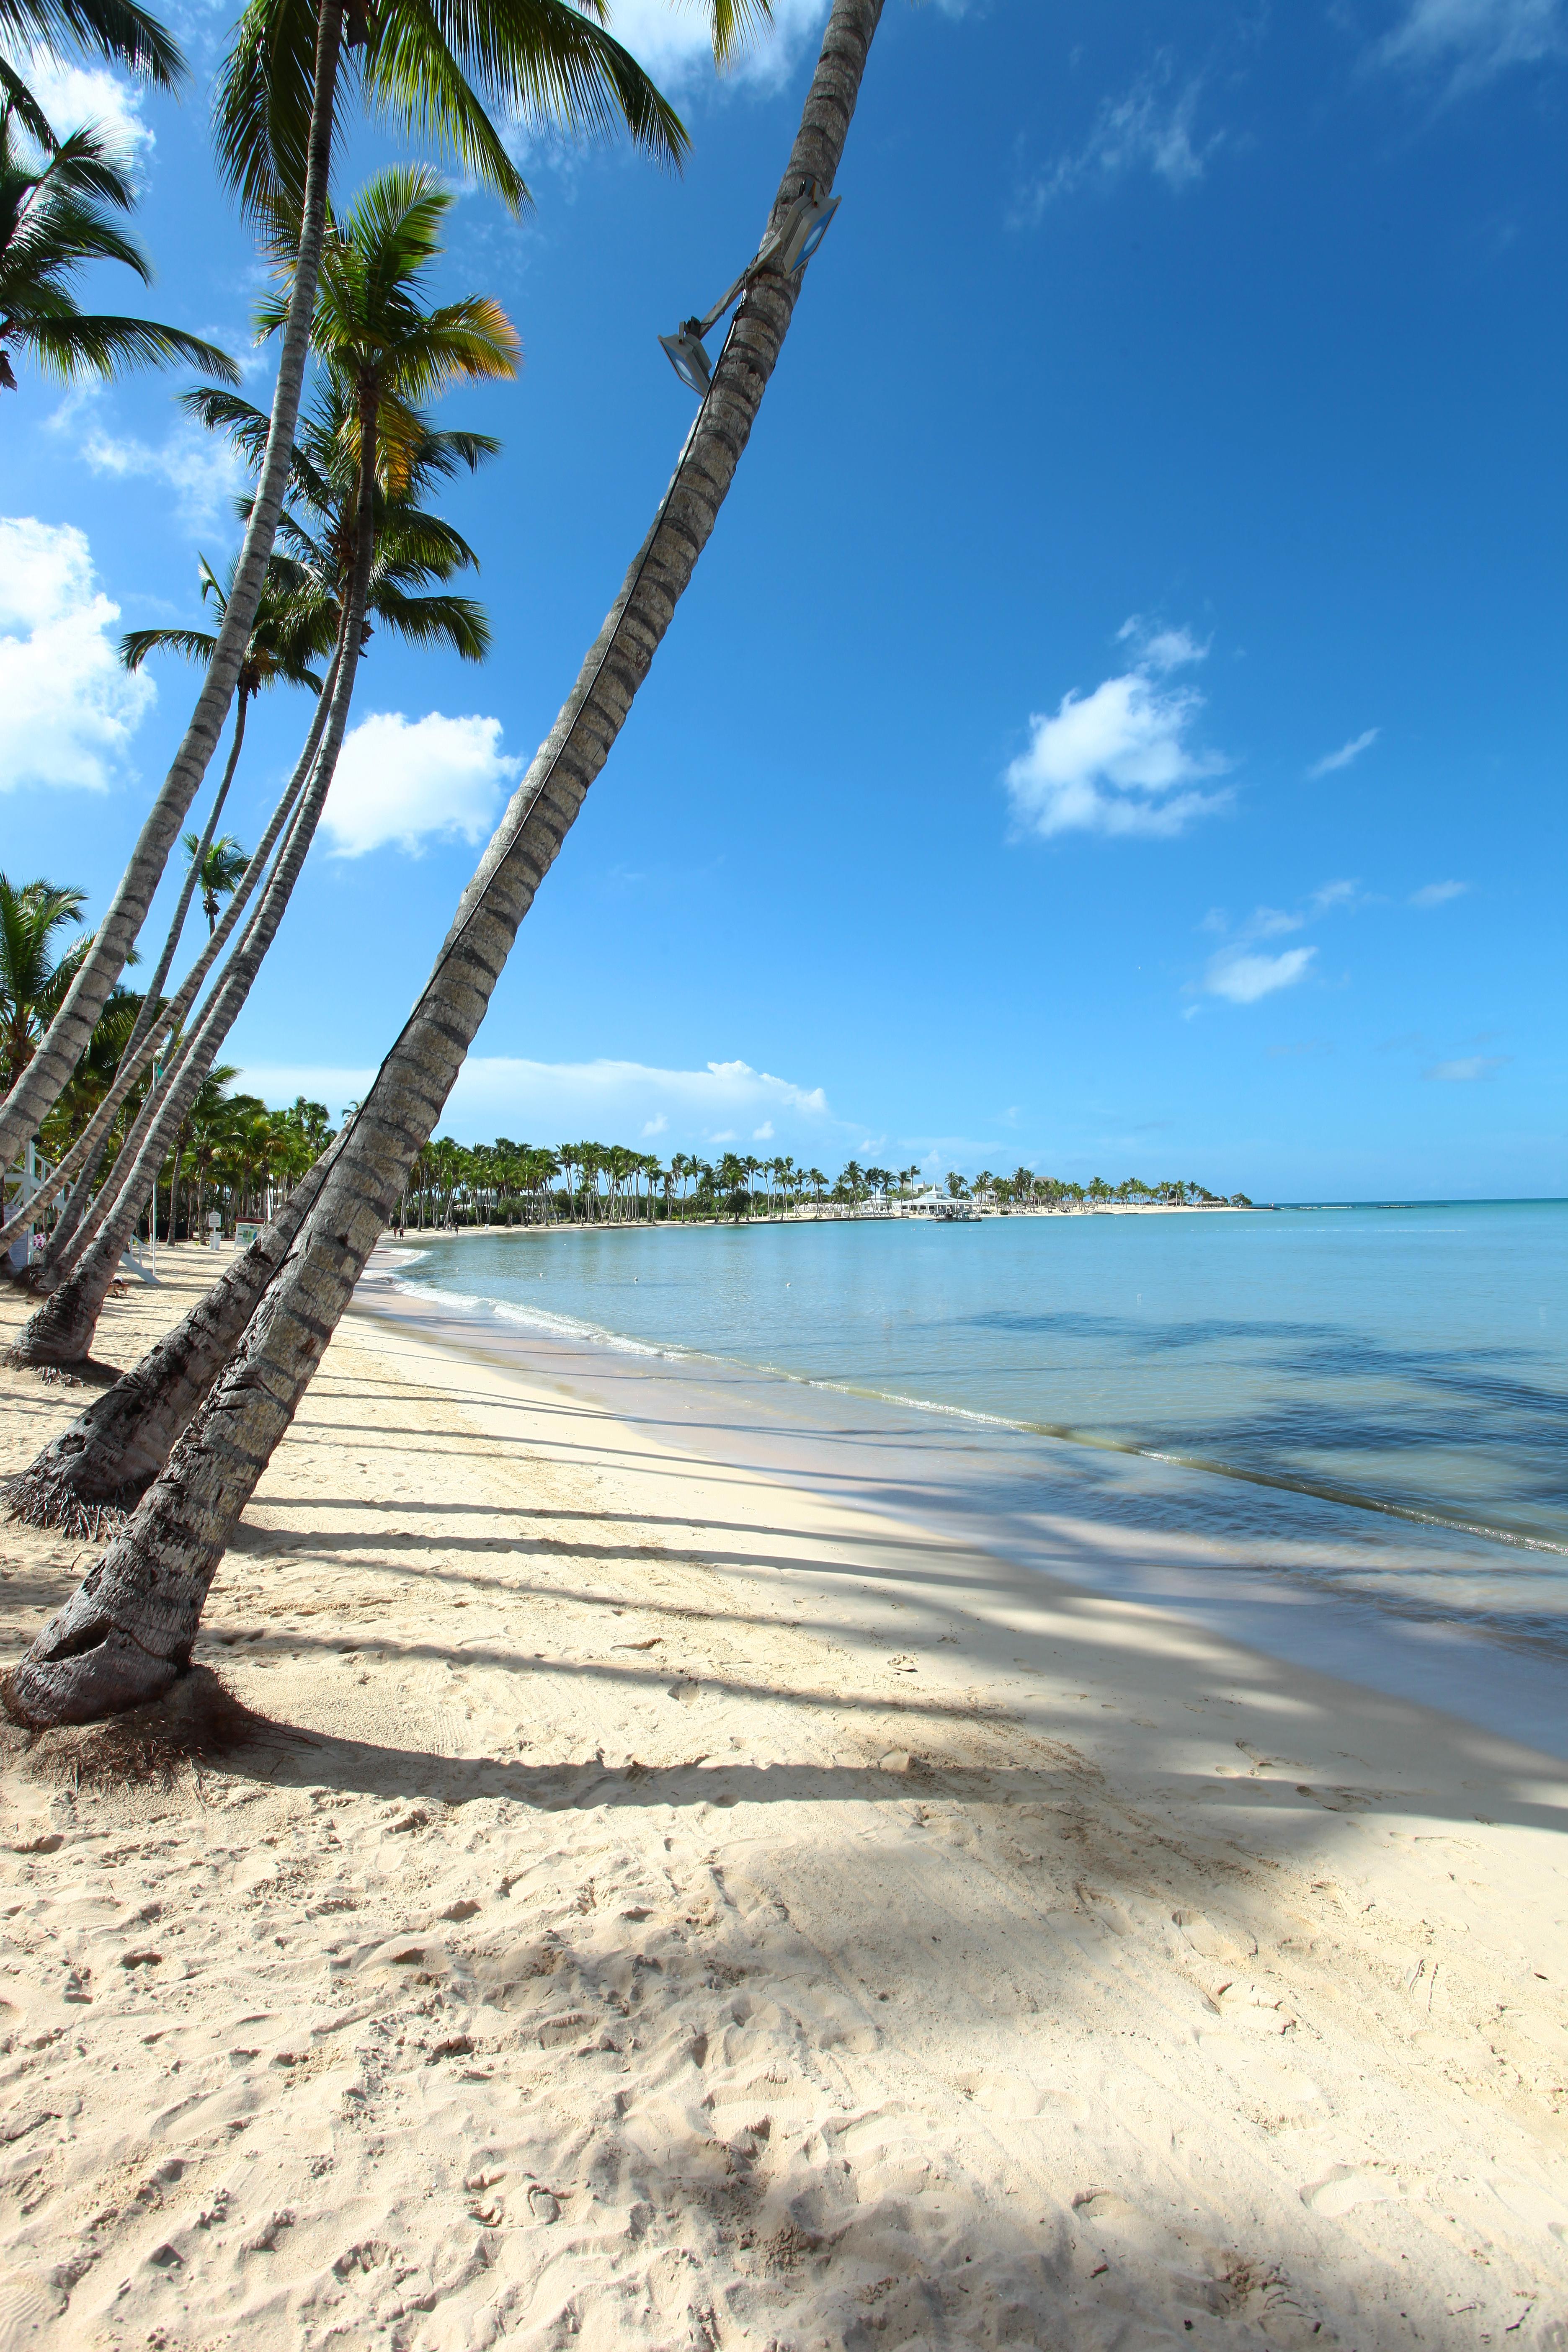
point(657, 1908)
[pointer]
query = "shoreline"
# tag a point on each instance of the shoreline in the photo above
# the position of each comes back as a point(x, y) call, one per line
point(667, 1904)
point(1139, 1522)
point(898, 1213)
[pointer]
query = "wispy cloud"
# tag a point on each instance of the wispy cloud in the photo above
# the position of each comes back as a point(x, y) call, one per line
point(496, 1094)
point(203, 472)
point(1471, 40)
point(68, 711)
point(407, 780)
point(1468, 1068)
point(1149, 128)
point(675, 44)
point(1237, 972)
point(72, 96)
point(1437, 894)
point(1118, 760)
point(1332, 760)
point(1241, 978)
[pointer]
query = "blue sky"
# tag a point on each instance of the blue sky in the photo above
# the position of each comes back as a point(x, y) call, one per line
point(1118, 722)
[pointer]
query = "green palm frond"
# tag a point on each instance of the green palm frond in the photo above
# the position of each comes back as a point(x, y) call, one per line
point(19, 100)
point(52, 225)
point(193, 645)
point(116, 29)
point(456, 622)
point(434, 67)
point(78, 345)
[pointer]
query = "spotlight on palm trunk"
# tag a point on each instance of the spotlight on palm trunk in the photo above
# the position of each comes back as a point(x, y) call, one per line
point(805, 227)
point(688, 358)
point(788, 249)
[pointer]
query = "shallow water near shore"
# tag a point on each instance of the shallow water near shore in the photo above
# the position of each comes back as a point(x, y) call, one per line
point(1363, 1408)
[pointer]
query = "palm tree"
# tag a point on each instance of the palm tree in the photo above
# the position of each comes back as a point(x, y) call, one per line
point(278, 113)
point(382, 347)
point(127, 1639)
point(54, 221)
point(219, 868)
point(292, 628)
point(33, 977)
point(414, 548)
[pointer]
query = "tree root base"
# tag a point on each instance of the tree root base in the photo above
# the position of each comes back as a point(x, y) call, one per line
point(31, 1499)
point(198, 1722)
point(102, 1672)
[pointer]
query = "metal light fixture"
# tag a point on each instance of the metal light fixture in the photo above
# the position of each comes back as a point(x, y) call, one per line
point(805, 227)
point(788, 250)
point(686, 357)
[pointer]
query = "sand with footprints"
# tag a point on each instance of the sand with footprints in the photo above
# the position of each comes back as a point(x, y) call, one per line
point(641, 1904)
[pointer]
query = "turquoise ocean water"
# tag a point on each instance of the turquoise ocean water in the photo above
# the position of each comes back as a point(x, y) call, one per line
point(1371, 1402)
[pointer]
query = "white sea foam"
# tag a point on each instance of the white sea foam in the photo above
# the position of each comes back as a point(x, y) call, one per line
point(536, 1318)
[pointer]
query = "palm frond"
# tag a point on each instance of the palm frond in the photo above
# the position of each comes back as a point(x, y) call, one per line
point(20, 101)
point(456, 622)
point(192, 645)
point(79, 345)
point(116, 29)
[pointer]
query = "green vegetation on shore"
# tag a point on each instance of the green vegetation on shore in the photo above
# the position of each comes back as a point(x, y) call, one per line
point(455, 1185)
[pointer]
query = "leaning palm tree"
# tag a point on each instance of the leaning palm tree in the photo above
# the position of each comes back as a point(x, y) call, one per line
point(377, 340)
point(292, 624)
point(278, 111)
point(416, 552)
point(54, 220)
point(126, 1636)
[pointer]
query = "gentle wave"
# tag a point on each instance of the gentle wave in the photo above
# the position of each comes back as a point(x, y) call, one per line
point(540, 1319)
point(1406, 1364)
point(569, 1327)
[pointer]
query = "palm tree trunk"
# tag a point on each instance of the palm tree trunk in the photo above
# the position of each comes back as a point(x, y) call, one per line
point(40, 1084)
point(85, 1213)
point(111, 1453)
point(127, 1633)
point(61, 1331)
point(132, 1063)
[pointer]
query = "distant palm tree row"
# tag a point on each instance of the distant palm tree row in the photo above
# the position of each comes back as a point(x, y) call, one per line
point(506, 1183)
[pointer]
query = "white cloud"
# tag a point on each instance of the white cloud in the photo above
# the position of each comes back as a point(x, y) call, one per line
point(1151, 127)
point(72, 96)
point(403, 780)
point(675, 44)
point(203, 472)
point(1242, 979)
point(1117, 761)
point(1269, 922)
point(1474, 39)
point(1333, 761)
point(1472, 1066)
point(609, 1100)
point(763, 1134)
point(1160, 649)
point(66, 708)
point(1437, 894)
